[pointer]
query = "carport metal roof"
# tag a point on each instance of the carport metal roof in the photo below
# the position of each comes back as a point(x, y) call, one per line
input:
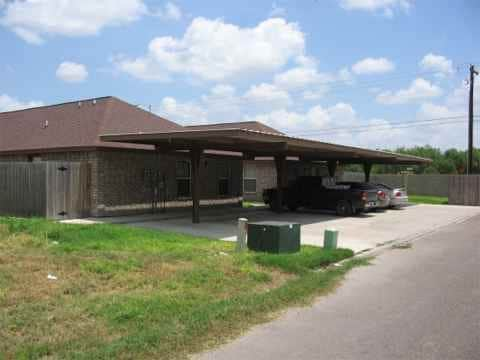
point(257, 143)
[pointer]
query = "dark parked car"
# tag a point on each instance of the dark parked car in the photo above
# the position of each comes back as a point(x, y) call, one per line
point(377, 194)
point(310, 192)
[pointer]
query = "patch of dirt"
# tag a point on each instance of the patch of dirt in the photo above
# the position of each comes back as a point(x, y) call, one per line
point(278, 279)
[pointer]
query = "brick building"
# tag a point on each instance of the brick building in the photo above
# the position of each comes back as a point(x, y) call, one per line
point(123, 178)
point(138, 160)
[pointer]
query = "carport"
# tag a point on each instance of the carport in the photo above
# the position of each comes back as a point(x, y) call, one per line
point(257, 143)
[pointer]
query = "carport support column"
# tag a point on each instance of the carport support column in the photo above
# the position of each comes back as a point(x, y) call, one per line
point(332, 168)
point(367, 168)
point(195, 155)
point(281, 165)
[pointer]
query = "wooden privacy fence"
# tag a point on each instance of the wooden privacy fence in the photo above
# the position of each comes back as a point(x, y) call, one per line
point(464, 190)
point(57, 190)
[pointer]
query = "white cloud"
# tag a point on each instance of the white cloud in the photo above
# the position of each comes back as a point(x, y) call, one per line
point(71, 72)
point(451, 132)
point(447, 133)
point(277, 11)
point(315, 118)
point(437, 63)
point(300, 77)
point(221, 104)
point(419, 89)
point(8, 103)
point(32, 20)
point(266, 95)
point(170, 11)
point(221, 91)
point(184, 113)
point(214, 50)
point(458, 98)
point(429, 110)
point(307, 78)
point(373, 66)
point(335, 124)
point(387, 7)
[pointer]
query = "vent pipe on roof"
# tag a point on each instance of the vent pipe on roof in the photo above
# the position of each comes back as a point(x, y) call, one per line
point(79, 104)
point(94, 101)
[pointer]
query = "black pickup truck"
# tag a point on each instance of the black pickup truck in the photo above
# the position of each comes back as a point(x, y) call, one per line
point(309, 192)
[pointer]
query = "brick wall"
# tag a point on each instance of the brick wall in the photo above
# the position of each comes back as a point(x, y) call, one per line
point(119, 183)
point(266, 174)
point(123, 185)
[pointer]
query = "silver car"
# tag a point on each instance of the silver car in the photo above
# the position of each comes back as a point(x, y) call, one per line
point(398, 196)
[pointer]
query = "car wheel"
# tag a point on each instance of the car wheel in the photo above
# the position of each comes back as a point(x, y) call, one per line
point(344, 208)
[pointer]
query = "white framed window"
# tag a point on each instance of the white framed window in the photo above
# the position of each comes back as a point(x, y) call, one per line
point(224, 179)
point(249, 178)
point(183, 173)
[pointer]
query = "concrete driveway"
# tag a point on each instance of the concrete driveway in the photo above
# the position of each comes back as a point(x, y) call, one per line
point(358, 233)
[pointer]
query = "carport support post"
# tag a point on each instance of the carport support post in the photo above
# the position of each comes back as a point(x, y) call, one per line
point(367, 168)
point(195, 154)
point(332, 168)
point(281, 165)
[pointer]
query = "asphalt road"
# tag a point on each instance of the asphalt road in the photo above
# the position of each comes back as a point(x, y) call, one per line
point(417, 303)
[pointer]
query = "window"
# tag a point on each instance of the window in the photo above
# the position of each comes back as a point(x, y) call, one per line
point(34, 158)
point(249, 178)
point(223, 179)
point(183, 172)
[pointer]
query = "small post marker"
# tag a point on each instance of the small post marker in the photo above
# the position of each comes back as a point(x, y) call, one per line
point(330, 239)
point(242, 234)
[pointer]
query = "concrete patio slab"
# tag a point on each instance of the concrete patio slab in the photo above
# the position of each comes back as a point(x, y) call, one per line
point(358, 233)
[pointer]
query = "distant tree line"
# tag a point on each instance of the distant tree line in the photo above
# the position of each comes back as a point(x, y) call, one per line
point(451, 161)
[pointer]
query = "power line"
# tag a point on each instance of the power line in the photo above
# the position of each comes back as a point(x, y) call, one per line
point(390, 123)
point(386, 127)
point(368, 126)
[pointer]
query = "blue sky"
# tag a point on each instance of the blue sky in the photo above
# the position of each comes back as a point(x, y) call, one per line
point(324, 69)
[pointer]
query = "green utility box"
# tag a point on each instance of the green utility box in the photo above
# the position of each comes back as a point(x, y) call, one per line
point(330, 239)
point(274, 236)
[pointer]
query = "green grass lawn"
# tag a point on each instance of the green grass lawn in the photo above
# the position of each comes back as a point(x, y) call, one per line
point(251, 204)
point(423, 199)
point(123, 292)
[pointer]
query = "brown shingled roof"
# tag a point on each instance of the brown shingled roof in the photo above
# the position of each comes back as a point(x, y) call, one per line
point(76, 125)
point(247, 125)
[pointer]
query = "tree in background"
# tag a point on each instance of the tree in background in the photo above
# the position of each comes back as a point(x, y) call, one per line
point(451, 161)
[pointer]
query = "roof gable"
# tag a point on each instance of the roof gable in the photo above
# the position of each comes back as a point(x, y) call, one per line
point(247, 125)
point(76, 125)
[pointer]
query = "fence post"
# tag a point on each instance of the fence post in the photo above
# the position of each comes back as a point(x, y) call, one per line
point(242, 234)
point(405, 182)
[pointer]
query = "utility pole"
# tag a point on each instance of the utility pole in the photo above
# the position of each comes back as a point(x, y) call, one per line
point(473, 72)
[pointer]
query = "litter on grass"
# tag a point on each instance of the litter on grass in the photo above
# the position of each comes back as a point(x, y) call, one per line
point(51, 277)
point(402, 246)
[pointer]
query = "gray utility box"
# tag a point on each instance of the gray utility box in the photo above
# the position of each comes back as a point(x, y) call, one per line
point(274, 236)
